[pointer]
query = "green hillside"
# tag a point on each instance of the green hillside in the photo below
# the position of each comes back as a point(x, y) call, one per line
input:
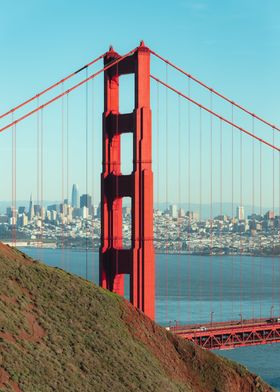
point(59, 332)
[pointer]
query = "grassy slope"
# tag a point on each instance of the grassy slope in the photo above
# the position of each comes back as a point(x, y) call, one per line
point(61, 333)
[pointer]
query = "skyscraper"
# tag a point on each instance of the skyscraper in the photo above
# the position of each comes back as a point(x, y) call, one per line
point(75, 196)
point(240, 213)
point(85, 201)
point(173, 211)
point(31, 209)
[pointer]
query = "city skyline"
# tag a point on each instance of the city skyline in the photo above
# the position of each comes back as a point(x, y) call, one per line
point(240, 212)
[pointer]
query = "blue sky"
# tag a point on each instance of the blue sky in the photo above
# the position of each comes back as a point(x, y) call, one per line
point(232, 45)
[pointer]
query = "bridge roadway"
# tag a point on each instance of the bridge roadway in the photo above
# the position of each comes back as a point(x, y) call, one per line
point(231, 334)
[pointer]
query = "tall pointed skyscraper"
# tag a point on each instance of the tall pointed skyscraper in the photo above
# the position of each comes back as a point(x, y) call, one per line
point(31, 209)
point(75, 196)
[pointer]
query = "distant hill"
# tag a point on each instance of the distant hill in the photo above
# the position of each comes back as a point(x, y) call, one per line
point(59, 332)
point(216, 208)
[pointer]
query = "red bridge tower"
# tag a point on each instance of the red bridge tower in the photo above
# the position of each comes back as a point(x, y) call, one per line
point(139, 261)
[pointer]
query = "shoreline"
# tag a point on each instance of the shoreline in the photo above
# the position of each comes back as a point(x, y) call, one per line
point(160, 252)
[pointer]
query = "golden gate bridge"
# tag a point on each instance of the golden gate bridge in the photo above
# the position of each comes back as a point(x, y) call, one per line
point(202, 158)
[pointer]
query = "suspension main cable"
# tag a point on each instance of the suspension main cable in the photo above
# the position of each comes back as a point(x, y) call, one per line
point(28, 114)
point(215, 91)
point(213, 113)
point(51, 87)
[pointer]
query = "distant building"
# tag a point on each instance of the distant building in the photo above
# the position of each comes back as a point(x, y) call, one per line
point(31, 209)
point(222, 218)
point(240, 213)
point(173, 211)
point(13, 221)
point(255, 217)
point(23, 220)
point(126, 211)
point(85, 201)
point(84, 212)
point(75, 196)
point(99, 211)
point(63, 209)
point(4, 219)
point(37, 210)
point(95, 210)
point(192, 215)
point(21, 210)
point(53, 216)
point(9, 212)
point(54, 207)
point(269, 215)
point(181, 213)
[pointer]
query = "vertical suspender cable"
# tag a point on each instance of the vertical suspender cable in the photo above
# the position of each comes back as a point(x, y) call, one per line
point(38, 155)
point(189, 201)
point(67, 170)
point(67, 148)
point(278, 227)
point(86, 170)
point(62, 177)
point(221, 213)
point(273, 228)
point(42, 175)
point(157, 149)
point(166, 196)
point(158, 240)
point(179, 212)
point(92, 179)
point(15, 185)
point(67, 163)
point(253, 220)
point(240, 234)
point(211, 207)
point(13, 212)
point(260, 261)
point(200, 210)
point(232, 213)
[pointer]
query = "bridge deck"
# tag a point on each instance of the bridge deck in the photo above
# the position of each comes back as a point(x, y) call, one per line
point(231, 334)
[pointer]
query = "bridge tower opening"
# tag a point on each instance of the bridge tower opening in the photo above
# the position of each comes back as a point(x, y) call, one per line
point(139, 261)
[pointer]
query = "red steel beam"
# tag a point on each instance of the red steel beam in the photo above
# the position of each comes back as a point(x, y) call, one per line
point(139, 261)
point(233, 335)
